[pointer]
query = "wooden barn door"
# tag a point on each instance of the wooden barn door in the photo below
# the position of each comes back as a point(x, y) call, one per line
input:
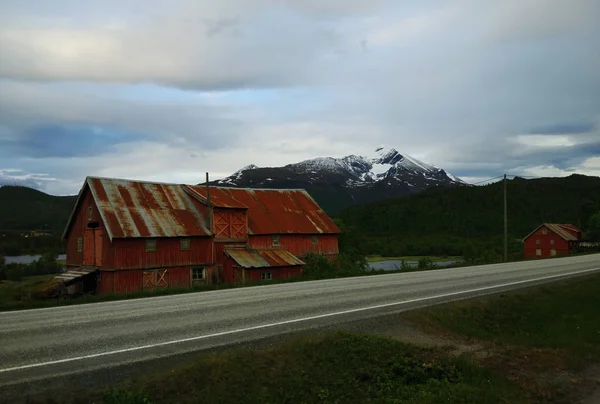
point(92, 247)
point(239, 275)
point(98, 234)
point(238, 224)
point(88, 247)
point(155, 279)
point(221, 224)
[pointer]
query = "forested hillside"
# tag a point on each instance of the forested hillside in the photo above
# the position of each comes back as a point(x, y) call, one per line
point(469, 220)
point(23, 209)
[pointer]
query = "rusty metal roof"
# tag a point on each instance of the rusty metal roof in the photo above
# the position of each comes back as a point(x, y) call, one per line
point(561, 230)
point(132, 209)
point(251, 258)
point(271, 211)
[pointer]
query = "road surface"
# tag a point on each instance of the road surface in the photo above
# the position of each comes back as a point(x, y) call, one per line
point(37, 344)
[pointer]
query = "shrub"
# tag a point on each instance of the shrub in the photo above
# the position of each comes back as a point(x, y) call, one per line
point(14, 272)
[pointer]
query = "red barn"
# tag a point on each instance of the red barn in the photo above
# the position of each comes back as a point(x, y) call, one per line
point(125, 236)
point(551, 239)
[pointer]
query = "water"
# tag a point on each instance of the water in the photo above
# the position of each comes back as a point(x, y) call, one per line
point(28, 259)
point(392, 265)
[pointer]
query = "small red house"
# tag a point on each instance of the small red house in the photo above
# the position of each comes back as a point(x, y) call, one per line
point(551, 239)
point(125, 236)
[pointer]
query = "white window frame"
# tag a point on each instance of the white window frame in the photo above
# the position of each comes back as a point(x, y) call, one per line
point(196, 271)
point(552, 241)
point(150, 245)
point(90, 211)
point(79, 244)
point(275, 239)
point(544, 231)
point(537, 241)
point(538, 252)
point(266, 276)
point(552, 252)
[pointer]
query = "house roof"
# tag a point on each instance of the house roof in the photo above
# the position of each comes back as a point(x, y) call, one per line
point(131, 209)
point(561, 230)
point(271, 211)
point(251, 258)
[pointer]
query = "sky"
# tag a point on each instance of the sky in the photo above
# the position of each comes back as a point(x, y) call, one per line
point(168, 90)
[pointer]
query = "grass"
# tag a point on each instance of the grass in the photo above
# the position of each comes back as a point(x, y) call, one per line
point(379, 258)
point(562, 317)
point(338, 367)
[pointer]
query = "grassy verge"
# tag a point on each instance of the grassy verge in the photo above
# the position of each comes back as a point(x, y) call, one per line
point(544, 338)
point(379, 258)
point(335, 368)
point(561, 316)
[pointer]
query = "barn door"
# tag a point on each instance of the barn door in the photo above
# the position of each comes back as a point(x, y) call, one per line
point(155, 279)
point(88, 247)
point(239, 275)
point(98, 247)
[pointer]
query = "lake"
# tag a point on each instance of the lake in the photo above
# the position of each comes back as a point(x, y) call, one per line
point(392, 265)
point(28, 259)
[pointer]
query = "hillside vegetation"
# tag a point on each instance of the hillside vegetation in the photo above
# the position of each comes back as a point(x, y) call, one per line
point(469, 220)
point(23, 209)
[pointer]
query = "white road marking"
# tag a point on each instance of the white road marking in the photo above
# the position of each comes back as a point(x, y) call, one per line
point(218, 334)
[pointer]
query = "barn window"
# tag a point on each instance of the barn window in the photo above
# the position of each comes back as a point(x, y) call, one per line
point(537, 241)
point(315, 239)
point(151, 245)
point(544, 231)
point(552, 241)
point(89, 213)
point(276, 239)
point(265, 275)
point(538, 252)
point(79, 244)
point(198, 273)
point(553, 252)
point(184, 244)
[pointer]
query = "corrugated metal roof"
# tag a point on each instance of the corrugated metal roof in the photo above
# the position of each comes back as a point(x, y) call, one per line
point(74, 274)
point(271, 211)
point(142, 209)
point(250, 258)
point(560, 230)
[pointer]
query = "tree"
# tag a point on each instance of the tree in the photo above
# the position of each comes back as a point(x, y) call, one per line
point(593, 227)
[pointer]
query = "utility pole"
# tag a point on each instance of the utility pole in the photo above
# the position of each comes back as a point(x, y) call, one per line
point(505, 223)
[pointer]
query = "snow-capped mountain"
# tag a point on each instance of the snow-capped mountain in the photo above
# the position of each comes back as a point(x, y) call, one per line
point(339, 182)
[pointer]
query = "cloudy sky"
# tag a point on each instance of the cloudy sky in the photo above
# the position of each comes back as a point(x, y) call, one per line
point(167, 90)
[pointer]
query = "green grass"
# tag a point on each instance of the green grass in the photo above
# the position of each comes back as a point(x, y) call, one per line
point(563, 316)
point(335, 368)
point(379, 258)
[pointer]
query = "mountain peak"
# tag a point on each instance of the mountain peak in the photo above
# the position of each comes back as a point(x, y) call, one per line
point(354, 178)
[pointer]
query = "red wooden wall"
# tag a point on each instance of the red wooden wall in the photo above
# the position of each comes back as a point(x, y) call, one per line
point(74, 257)
point(128, 281)
point(531, 244)
point(131, 253)
point(253, 274)
point(299, 244)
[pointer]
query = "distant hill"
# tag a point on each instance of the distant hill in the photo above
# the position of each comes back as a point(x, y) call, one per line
point(23, 208)
point(454, 220)
point(336, 183)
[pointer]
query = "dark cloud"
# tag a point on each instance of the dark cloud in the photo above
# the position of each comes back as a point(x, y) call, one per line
point(56, 140)
point(574, 128)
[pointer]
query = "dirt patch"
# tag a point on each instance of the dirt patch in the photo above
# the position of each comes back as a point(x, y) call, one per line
point(543, 373)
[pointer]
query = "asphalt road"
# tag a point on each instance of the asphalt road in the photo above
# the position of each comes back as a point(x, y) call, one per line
point(43, 343)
